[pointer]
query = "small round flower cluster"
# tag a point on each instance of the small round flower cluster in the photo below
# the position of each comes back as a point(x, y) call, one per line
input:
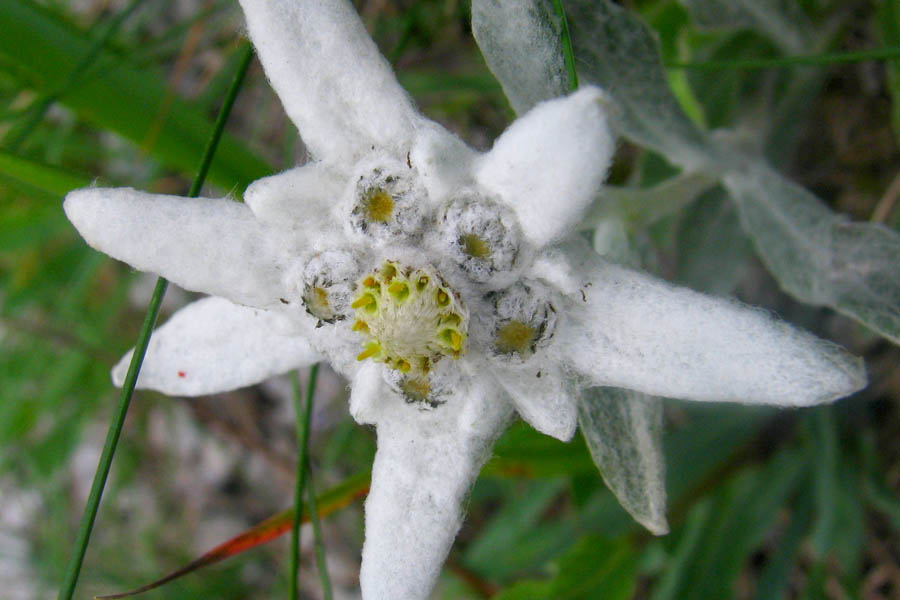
point(411, 311)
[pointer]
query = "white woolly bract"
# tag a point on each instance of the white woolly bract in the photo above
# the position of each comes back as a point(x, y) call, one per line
point(300, 200)
point(333, 82)
point(212, 346)
point(425, 465)
point(215, 246)
point(550, 163)
point(633, 331)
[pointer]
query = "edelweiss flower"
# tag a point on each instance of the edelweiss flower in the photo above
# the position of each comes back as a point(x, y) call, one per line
point(438, 280)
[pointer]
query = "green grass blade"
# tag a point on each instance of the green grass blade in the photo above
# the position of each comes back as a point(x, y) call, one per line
point(140, 348)
point(828, 58)
point(117, 96)
point(318, 543)
point(17, 136)
point(568, 53)
point(302, 421)
point(50, 180)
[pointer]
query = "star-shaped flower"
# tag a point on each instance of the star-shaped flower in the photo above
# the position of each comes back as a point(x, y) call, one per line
point(440, 281)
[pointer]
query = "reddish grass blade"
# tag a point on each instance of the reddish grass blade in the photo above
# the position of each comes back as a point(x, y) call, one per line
point(354, 488)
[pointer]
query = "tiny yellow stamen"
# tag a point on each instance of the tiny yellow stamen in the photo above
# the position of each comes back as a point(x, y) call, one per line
point(411, 316)
point(364, 300)
point(399, 290)
point(371, 350)
point(455, 340)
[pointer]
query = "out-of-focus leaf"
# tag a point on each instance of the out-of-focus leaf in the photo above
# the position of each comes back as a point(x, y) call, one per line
point(114, 95)
point(328, 502)
point(820, 257)
point(776, 576)
point(510, 524)
point(781, 20)
point(712, 248)
point(889, 19)
point(617, 51)
point(623, 431)
point(690, 536)
point(817, 256)
point(596, 567)
point(521, 43)
point(838, 488)
point(744, 513)
point(52, 180)
point(523, 452)
point(640, 207)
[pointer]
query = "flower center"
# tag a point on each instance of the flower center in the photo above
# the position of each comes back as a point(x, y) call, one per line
point(515, 337)
point(409, 317)
point(524, 320)
point(482, 238)
point(378, 205)
point(475, 246)
point(327, 286)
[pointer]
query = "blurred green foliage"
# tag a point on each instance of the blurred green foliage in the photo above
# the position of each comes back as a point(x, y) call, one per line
point(763, 504)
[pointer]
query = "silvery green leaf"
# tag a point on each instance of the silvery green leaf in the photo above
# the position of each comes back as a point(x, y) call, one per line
point(780, 20)
point(623, 431)
point(617, 51)
point(712, 248)
point(640, 207)
point(817, 256)
point(521, 42)
point(820, 257)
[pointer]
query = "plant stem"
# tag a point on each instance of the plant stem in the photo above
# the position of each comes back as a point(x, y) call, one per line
point(73, 570)
point(302, 420)
point(833, 58)
point(319, 545)
point(566, 40)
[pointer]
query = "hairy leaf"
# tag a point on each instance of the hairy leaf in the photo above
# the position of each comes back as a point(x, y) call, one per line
point(623, 430)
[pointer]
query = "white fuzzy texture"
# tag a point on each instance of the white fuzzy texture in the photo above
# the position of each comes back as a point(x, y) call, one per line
point(301, 200)
point(627, 329)
point(623, 431)
point(366, 390)
point(550, 163)
point(442, 160)
point(427, 461)
point(213, 346)
point(633, 331)
point(214, 246)
point(543, 396)
point(333, 82)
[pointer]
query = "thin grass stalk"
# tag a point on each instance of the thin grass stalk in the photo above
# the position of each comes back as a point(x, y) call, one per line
point(73, 570)
point(566, 39)
point(318, 542)
point(828, 58)
point(302, 415)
